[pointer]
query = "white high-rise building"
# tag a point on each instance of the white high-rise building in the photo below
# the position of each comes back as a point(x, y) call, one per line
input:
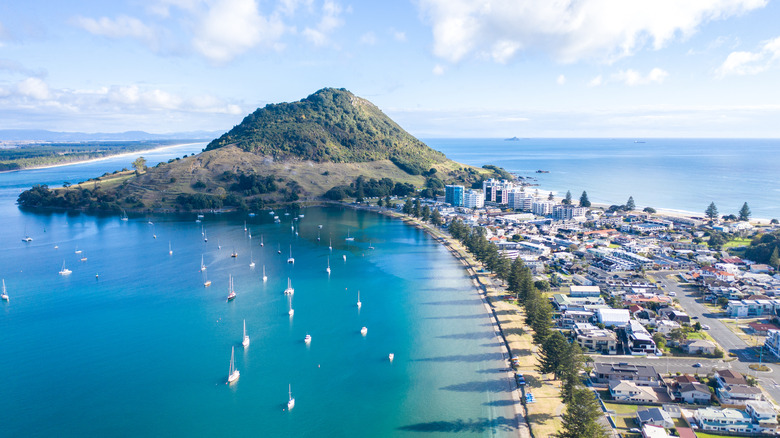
point(473, 199)
point(542, 208)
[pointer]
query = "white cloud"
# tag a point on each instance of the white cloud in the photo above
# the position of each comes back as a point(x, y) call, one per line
point(561, 80)
point(438, 70)
point(595, 82)
point(34, 88)
point(570, 30)
point(633, 77)
point(368, 39)
point(399, 35)
point(330, 21)
point(751, 63)
point(121, 27)
point(231, 27)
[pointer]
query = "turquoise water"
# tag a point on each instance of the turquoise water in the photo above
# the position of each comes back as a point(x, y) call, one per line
point(144, 348)
point(679, 174)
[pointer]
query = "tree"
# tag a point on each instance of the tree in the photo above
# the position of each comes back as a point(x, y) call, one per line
point(408, 206)
point(567, 200)
point(744, 212)
point(388, 204)
point(379, 202)
point(550, 197)
point(584, 201)
point(139, 165)
point(581, 417)
point(650, 210)
point(630, 205)
point(774, 259)
point(774, 221)
point(711, 212)
point(435, 217)
point(552, 353)
point(426, 213)
point(417, 210)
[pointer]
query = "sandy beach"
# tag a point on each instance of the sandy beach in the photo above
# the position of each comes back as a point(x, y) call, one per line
point(126, 154)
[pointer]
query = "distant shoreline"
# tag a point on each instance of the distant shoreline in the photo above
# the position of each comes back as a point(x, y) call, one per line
point(123, 154)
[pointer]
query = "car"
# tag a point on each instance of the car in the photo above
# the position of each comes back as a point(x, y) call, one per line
point(672, 294)
point(705, 327)
point(634, 430)
point(520, 380)
point(697, 365)
point(694, 317)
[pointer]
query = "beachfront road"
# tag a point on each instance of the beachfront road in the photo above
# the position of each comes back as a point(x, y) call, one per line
point(725, 337)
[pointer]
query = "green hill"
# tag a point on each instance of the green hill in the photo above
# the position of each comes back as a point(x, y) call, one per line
point(330, 125)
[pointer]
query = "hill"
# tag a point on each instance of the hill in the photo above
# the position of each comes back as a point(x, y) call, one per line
point(330, 145)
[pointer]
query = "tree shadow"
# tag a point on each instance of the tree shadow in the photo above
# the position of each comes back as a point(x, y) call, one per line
point(514, 331)
point(501, 403)
point(483, 386)
point(532, 381)
point(524, 352)
point(494, 370)
point(453, 302)
point(539, 418)
point(479, 425)
point(475, 335)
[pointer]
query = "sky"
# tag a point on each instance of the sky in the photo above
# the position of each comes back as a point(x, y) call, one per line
point(440, 68)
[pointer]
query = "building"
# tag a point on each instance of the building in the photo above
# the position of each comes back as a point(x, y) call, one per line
point(453, 195)
point(723, 420)
point(585, 291)
point(613, 317)
point(650, 431)
point(473, 199)
point(654, 417)
point(622, 390)
point(569, 318)
point(497, 191)
point(738, 395)
point(639, 339)
point(595, 340)
point(728, 377)
point(642, 375)
point(698, 346)
point(568, 212)
point(542, 208)
point(772, 342)
point(690, 392)
point(763, 415)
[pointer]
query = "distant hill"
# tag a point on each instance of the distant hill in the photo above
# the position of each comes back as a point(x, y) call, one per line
point(330, 145)
point(40, 135)
point(330, 125)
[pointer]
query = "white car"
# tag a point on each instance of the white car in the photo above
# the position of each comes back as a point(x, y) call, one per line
point(672, 294)
point(705, 327)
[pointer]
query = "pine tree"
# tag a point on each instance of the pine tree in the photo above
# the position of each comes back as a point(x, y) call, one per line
point(744, 212)
point(408, 206)
point(584, 201)
point(711, 211)
point(774, 259)
point(581, 417)
point(416, 210)
point(550, 197)
point(630, 205)
point(436, 217)
point(426, 213)
point(515, 276)
point(551, 353)
point(567, 199)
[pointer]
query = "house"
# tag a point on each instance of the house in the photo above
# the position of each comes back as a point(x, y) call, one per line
point(664, 326)
point(642, 375)
point(723, 420)
point(698, 346)
point(728, 377)
point(679, 317)
point(613, 317)
point(694, 393)
point(762, 328)
point(764, 416)
point(654, 417)
point(738, 395)
point(650, 431)
point(623, 390)
point(639, 339)
point(595, 340)
point(571, 317)
point(585, 291)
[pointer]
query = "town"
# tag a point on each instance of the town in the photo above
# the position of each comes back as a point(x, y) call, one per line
point(679, 331)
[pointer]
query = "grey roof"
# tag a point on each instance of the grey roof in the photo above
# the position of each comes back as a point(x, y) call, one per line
point(653, 414)
point(688, 387)
point(742, 389)
point(625, 369)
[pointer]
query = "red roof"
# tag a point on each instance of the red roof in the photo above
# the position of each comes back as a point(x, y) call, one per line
point(732, 260)
point(686, 432)
point(763, 326)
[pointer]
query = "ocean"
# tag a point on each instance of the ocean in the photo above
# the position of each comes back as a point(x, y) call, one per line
point(131, 343)
point(673, 174)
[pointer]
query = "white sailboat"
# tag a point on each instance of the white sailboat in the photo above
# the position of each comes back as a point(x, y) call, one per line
point(170, 251)
point(363, 331)
point(233, 373)
point(245, 226)
point(205, 236)
point(344, 257)
point(64, 270)
point(279, 248)
point(261, 241)
point(83, 258)
point(290, 399)
point(391, 356)
point(78, 251)
point(245, 342)
point(234, 254)
point(291, 259)
point(4, 296)
point(369, 245)
point(289, 290)
point(291, 312)
point(27, 237)
point(251, 259)
point(328, 268)
point(359, 304)
point(307, 339)
point(265, 277)
point(349, 238)
point(124, 215)
point(330, 244)
point(232, 294)
point(202, 265)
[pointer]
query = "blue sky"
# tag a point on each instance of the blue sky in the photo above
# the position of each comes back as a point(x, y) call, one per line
point(441, 68)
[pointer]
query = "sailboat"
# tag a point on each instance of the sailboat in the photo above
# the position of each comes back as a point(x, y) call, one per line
point(4, 296)
point(170, 251)
point(83, 258)
point(391, 356)
point(232, 294)
point(279, 248)
point(64, 270)
point(202, 265)
point(349, 238)
point(251, 259)
point(307, 339)
point(289, 290)
point(359, 304)
point(245, 342)
point(205, 236)
point(369, 245)
point(265, 278)
point(27, 237)
point(344, 257)
point(328, 268)
point(245, 226)
point(318, 235)
point(234, 254)
point(290, 399)
point(206, 283)
point(330, 244)
point(261, 241)
point(124, 215)
point(78, 251)
point(291, 259)
point(233, 374)
point(363, 331)
point(291, 312)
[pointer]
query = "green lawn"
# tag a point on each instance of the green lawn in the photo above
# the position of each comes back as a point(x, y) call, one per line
point(622, 409)
point(736, 243)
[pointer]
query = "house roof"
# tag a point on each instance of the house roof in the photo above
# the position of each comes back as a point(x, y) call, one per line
point(741, 389)
point(650, 431)
point(625, 369)
point(691, 387)
point(686, 432)
point(653, 414)
point(731, 377)
point(698, 343)
point(686, 378)
point(763, 326)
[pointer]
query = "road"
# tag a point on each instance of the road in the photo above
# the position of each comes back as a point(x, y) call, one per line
point(727, 339)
